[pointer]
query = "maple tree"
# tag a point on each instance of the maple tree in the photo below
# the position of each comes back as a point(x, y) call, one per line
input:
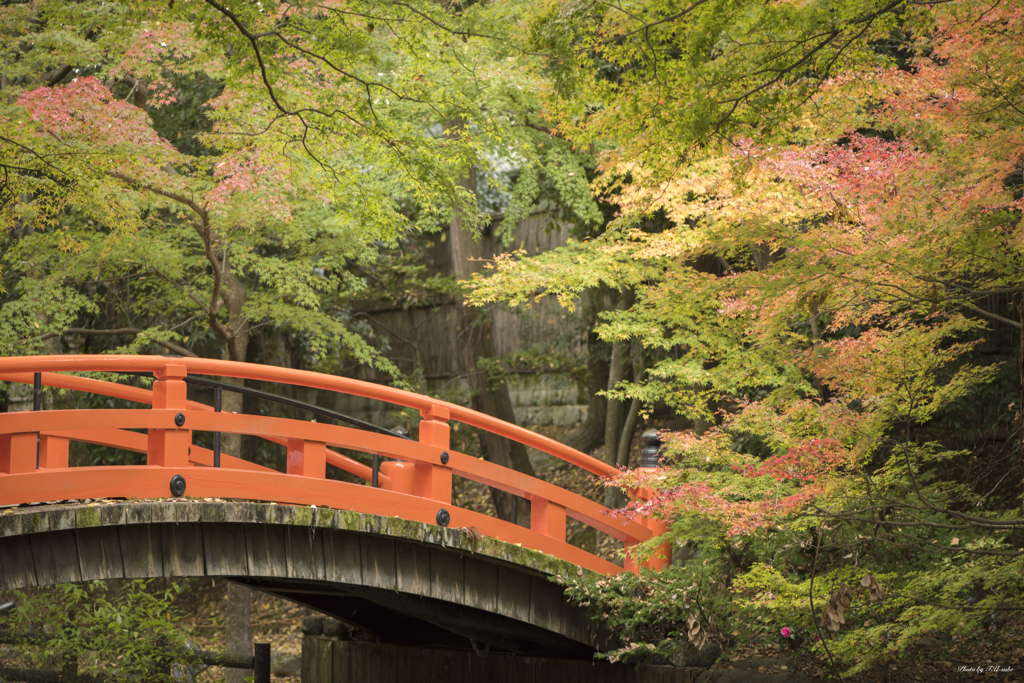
point(197, 176)
point(817, 204)
point(844, 185)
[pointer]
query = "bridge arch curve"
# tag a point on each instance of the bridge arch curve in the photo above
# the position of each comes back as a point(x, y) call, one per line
point(398, 581)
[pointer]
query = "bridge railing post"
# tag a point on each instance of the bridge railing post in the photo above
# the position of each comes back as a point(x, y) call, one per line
point(169, 447)
point(53, 452)
point(18, 452)
point(434, 481)
point(307, 458)
point(547, 518)
point(401, 475)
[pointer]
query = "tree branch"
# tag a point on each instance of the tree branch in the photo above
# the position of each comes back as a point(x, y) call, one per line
point(85, 332)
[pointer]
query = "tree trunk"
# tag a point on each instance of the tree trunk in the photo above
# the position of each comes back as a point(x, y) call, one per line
point(616, 417)
point(633, 414)
point(617, 372)
point(238, 606)
point(238, 628)
point(236, 340)
point(476, 342)
point(613, 419)
point(591, 433)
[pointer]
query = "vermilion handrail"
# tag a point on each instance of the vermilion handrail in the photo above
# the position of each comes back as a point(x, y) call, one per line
point(145, 396)
point(423, 486)
point(312, 380)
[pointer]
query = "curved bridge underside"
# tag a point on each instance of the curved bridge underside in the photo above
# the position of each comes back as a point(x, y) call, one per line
point(402, 582)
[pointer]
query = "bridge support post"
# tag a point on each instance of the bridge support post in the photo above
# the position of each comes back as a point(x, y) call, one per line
point(18, 452)
point(53, 452)
point(434, 481)
point(307, 458)
point(169, 447)
point(547, 518)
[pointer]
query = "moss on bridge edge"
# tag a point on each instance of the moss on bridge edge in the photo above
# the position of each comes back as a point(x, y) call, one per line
point(61, 516)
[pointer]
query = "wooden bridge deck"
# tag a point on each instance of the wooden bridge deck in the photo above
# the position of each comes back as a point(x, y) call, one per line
point(389, 552)
point(403, 582)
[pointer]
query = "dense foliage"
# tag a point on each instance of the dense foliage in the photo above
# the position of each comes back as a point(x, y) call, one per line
point(842, 184)
point(197, 171)
point(126, 632)
point(816, 241)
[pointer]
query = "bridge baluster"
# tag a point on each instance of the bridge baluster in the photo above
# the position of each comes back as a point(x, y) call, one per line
point(53, 452)
point(547, 518)
point(307, 458)
point(434, 481)
point(169, 447)
point(18, 452)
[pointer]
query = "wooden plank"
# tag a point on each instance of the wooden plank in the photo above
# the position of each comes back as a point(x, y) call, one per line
point(505, 673)
point(439, 666)
point(311, 660)
point(211, 513)
point(324, 662)
point(17, 569)
point(380, 667)
point(305, 674)
point(162, 511)
point(305, 553)
point(341, 657)
point(546, 604)
point(182, 546)
point(343, 557)
point(110, 515)
point(378, 562)
point(187, 511)
point(138, 513)
point(481, 584)
point(447, 576)
point(619, 673)
point(513, 594)
point(265, 549)
point(475, 667)
point(574, 623)
point(224, 549)
point(99, 553)
point(62, 518)
point(12, 525)
point(55, 556)
point(455, 668)
point(413, 565)
point(358, 669)
point(141, 551)
point(408, 667)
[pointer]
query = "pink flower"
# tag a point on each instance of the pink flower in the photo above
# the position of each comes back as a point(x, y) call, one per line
point(786, 633)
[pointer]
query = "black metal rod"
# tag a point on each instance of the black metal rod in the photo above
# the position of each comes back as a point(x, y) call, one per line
point(284, 400)
point(216, 435)
point(376, 470)
point(515, 509)
point(37, 404)
point(261, 663)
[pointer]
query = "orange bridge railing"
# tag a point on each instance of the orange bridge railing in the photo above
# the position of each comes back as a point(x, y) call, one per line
point(415, 484)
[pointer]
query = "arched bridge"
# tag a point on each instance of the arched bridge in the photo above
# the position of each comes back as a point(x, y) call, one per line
point(395, 557)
